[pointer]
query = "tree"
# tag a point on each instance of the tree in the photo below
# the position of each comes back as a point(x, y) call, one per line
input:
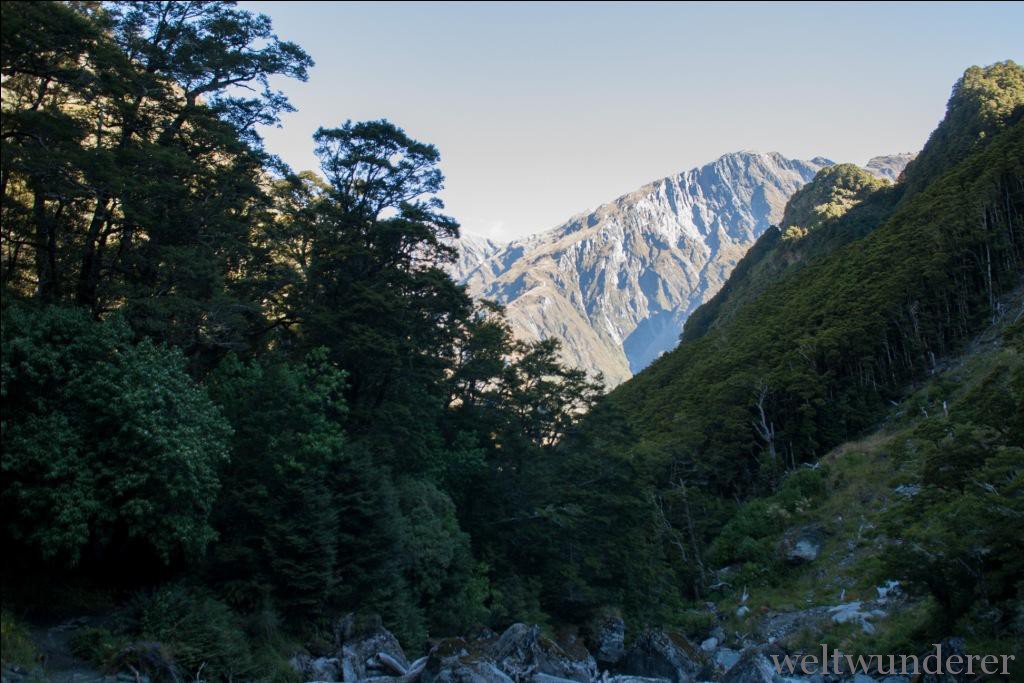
point(109, 445)
point(277, 512)
point(374, 293)
point(132, 171)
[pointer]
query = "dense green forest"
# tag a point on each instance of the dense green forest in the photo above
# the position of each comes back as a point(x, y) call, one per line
point(256, 386)
point(240, 401)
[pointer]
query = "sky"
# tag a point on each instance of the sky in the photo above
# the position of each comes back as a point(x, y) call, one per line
point(541, 111)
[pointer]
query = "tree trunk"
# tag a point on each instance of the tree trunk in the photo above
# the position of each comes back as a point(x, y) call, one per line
point(89, 276)
point(46, 250)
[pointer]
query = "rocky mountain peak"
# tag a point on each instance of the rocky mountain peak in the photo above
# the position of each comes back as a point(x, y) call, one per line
point(615, 284)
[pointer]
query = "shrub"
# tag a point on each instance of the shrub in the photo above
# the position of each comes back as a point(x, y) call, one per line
point(202, 635)
point(98, 645)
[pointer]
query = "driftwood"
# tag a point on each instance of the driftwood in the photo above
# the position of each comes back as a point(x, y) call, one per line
point(390, 664)
point(410, 676)
point(415, 669)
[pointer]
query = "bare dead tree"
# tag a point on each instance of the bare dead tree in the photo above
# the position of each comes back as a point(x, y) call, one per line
point(764, 428)
point(679, 483)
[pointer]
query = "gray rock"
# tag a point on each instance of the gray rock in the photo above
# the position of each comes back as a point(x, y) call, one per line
point(455, 660)
point(856, 612)
point(361, 654)
point(522, 652)
point(611, 638)
point(775, 626)
point(908, 490)
point(950, 647)
point(802, 545)
point(890, 590)
point(755, 666)
point(467, 672)
point(317, 668)
point(635, 679)
point(709, 645)
point(726, 658)
point(484, 633)
point(657, 654)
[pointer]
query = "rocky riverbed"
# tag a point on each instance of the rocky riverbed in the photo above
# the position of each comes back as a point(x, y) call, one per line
point(364, 651)
point(524, 654)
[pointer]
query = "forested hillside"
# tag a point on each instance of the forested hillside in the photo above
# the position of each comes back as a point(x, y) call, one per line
point(241, 402)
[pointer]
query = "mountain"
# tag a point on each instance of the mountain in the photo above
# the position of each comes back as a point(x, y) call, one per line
point(889, 166)
point(859, 387)
point(471, 250)
point(808, 230)
point(836, 339)
point(616, 284)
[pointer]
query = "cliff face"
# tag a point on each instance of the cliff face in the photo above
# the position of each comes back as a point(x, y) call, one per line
point(889, 166)
point(616, 284)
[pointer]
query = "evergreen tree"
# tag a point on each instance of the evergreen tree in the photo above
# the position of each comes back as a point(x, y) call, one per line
point(109, 447)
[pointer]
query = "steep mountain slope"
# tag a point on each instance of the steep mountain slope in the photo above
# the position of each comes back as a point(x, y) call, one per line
point(616, 284)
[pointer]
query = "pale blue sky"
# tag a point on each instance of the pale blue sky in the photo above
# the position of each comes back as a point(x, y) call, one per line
point(544, 110)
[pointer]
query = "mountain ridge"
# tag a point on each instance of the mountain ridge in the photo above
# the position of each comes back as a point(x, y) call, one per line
point(616, 283)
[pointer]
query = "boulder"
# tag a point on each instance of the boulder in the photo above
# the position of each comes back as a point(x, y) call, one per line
point(610, 642)
point(755, 666)
point(888, 591)
point(455, 660)
point(726, 658)
point(775, 626)
point(317, 668)
point(370, 653)
point(802, 545)
point(657, 654)
point(483, 633)
point(949, 648)
point(521, 652)
point(858, 613)
point(468, 672)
